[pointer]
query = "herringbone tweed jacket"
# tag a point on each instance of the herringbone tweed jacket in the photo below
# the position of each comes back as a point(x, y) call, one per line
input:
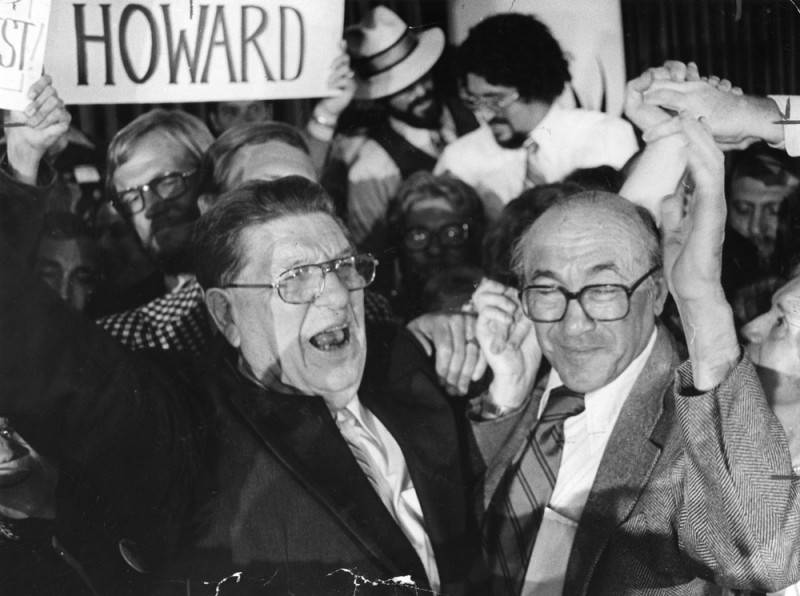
point(694, 491)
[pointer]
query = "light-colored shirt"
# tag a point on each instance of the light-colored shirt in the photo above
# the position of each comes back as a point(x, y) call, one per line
point(400, 498)
point(585, 438)
point(789, 106)
point(567, 138)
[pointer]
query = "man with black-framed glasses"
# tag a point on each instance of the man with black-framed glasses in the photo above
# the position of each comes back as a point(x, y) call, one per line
point(153, 181)
point(603, 302)
point(625, 471)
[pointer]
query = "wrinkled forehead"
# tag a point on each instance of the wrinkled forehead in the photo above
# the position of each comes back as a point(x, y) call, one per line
point(292, 240)
point(586, 238)
point(752, 190)
point(155, 153)
point(269, 161)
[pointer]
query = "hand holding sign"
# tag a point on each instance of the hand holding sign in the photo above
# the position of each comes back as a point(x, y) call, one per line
point(342, 80)
point(44, 121)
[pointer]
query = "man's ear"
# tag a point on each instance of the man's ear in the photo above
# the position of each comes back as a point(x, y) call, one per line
point(220, 306)
point(660, 291)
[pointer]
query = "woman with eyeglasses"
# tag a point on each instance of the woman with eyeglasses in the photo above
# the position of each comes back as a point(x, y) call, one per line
point(437, 225)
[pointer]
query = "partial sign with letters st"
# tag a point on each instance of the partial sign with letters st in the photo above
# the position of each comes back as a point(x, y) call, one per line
point(159, 51)
point(23, 35)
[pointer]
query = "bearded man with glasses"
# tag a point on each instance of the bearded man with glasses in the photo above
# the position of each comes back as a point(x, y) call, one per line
point(515, 77)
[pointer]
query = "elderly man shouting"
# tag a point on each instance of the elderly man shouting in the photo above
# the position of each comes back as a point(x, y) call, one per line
point(624, 471)
point(279, 464)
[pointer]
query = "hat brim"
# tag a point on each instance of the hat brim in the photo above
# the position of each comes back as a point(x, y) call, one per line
point(429, 49)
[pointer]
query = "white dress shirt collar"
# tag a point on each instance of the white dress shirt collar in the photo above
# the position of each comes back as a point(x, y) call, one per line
point(586, 436)
point(603, 405)
point(403, 503)
point(542, 132)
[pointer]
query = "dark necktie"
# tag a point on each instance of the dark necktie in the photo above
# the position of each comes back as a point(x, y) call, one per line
point(515, 513)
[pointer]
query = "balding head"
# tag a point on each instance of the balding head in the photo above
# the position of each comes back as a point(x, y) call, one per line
point(593, 239)
point(594, 212)
point(256, 151)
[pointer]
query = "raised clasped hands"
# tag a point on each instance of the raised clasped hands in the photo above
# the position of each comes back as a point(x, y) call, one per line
point(693, 230)
point(644, 114)
point(734, 119)
point(694, 226)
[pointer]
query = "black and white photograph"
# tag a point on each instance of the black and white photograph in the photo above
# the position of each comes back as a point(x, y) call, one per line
point(400, 298)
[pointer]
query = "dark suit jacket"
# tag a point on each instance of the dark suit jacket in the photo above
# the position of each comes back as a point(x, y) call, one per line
point(207, 474)
point(692, 489)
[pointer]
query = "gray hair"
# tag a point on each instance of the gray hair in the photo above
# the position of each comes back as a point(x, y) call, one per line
point(637, 215)
point(217, 234)
point(219, 158)
point(177, 125)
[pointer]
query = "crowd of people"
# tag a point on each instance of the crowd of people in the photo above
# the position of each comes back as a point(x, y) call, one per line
point(473, 342)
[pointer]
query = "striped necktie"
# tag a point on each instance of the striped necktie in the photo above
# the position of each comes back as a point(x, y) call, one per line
point(515, 513)
point(370, 455)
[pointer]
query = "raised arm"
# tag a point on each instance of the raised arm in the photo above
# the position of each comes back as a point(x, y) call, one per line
point(25, 180)
point(325, 116)
point(660, 166)
point(693, 231)
point(735, 119)
point(80, 398)
point(31, 133)
point(738, 514)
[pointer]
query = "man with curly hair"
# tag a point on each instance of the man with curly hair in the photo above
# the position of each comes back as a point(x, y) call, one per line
point(512, 73)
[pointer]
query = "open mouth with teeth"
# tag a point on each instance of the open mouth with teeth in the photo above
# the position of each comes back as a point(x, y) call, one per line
point(331, 339)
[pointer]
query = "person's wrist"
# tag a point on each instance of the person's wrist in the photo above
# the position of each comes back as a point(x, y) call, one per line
point(504, 396)
point(703, 299)
point(764, 125)
point(23, 162)
point(324, 118)
point(710, 338)
point(490, 410)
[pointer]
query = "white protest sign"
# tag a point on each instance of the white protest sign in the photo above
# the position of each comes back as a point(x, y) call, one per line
point(23, 35)
point(160, 51)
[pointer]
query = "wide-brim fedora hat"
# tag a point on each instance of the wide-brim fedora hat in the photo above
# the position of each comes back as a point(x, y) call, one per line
point(388, 56)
